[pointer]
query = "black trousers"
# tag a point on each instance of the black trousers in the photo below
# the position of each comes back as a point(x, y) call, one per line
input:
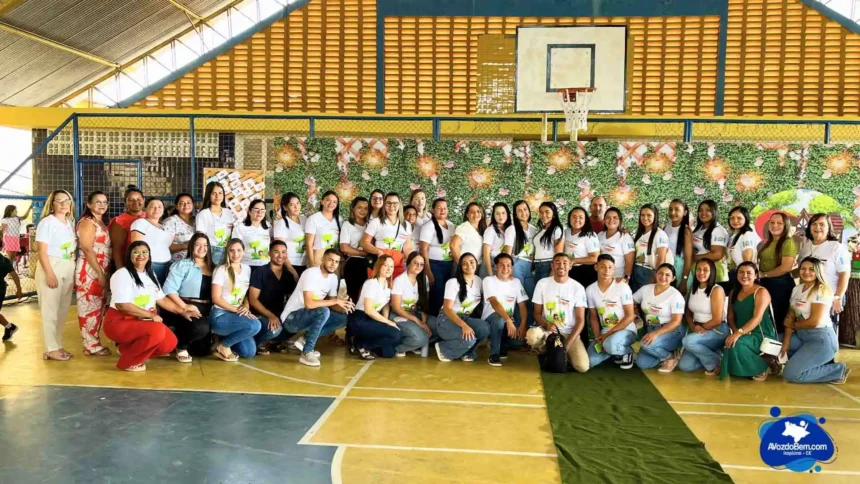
point(780, 297)
point(355, 273)
point(191, 335)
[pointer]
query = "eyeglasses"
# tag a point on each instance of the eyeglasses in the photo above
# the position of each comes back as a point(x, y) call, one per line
point(375, 199)
point(138, 253)
point(64, 202)
point(258, 209)
point(392, 204)
point(101, 202)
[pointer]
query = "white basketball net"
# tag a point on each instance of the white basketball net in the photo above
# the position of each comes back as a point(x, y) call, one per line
point(575, 105)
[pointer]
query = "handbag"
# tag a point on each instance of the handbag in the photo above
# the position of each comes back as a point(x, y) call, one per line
point(771, 349)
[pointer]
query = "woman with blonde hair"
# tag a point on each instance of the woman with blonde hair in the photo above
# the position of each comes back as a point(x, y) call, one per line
point(230, 317)
point(776, 258)
point(370, 325)
point(55, 274)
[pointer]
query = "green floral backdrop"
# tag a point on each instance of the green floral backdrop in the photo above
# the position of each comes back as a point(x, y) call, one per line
point(630, 174)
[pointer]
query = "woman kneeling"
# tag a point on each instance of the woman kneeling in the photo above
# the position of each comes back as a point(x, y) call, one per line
point(459, 331)
point(663, 307)
point(751, 320)
point(706, 320)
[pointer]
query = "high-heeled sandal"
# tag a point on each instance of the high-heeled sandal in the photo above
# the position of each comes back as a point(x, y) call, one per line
point(231, 357)
point(365, 355)
point(761, 376)
point(56, 355)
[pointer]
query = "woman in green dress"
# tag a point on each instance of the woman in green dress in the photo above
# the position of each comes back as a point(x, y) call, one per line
point(751, 321)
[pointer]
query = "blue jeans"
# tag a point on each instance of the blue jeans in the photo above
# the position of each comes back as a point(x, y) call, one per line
point(543, 269)
point(237, 332)
point(640, 277)
point(661, 348)
point(441, 270)
point(809, 354)
point(619, 343)
point(161, 269)
point(218, 255)
point(371, 335)
point(523, 272)
point(412, 337)
point(499, 339)
point(703, 350)
point(453, 345)
point(314, 323)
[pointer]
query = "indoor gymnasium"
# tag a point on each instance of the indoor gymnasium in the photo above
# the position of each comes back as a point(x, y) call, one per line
point(378, 241)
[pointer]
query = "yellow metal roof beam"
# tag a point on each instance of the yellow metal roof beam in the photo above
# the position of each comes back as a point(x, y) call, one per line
point(57, 45)
point(185, 9)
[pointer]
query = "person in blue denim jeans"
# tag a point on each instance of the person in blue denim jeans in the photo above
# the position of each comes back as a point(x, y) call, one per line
point(315, 307)
point(502, 294)
point(459, 331)
point(410, 302)
point(270, 285)
point(810, 341)
point(434, 243)
point(611, 317)
point(706, 319)
point(518, 243)
point(230, 317)
point(663, 307)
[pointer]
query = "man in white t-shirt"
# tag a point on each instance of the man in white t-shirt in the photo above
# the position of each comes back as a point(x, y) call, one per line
point(315, 308)
point(560, 307)
point(503, 294)
point(611, 317)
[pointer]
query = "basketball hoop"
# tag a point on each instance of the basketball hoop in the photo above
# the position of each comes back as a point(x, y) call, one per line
point(575, 102)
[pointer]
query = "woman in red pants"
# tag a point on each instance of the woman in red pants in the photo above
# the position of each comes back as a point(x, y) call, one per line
point(132, 320)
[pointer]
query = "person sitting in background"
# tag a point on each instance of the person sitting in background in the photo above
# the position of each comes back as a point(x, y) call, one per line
point(503, 293)
point(189, 286)
point(254, 234)
point(611, 316)
point(180, 223)
point(371, 328)
point(663, 307)
point(315, 308)
point(131, 321)
point(810, 339)
point(410, 301)
point(230, 317)
point(120, 226)
point(6, 269)
point(459, 331)
point(270, 287)
point(706, 321)
point(560, 307)
point(150, 230)
point(751, 320)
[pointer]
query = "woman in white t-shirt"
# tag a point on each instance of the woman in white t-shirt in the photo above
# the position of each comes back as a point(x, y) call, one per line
point(680, 241)
point(418, 199)
point(322, 229)
point(548, 241)
point(132, 320)
point(611, 317)
point(810, 341)
point(230, 317)
point(55, 274)
point(469, 235)
point(181, 225)
point(518, 243)
point(616, 243)
point(370, 326)
point(215, 220)
point(410, 301)
point(494, 236)
point(710, 240)
point(435, 246)
point(150, 230)
point(706, 320)
point(390, 233)
point(582, 246)
point(652, 247)
point(821, 243)
point(743, 243)
point(290, 228)
point(351, 233)
point(11, 228)
point(663, 307)
point(411, 215)
point(458, 330)
point(254, 234)
point(376, 204)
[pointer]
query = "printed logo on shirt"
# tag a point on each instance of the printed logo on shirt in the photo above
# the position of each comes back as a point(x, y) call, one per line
point(221, 237)
point(408, 304)
point(68, 250)
point(329, 239)
point(236, 295)
point(607, 248)
point(571, 246)
point(257, 252)
point(300, 244)
point(552, 312)
point(446, 251)
point(142, 301)
point(610, 320)
point(397, 243)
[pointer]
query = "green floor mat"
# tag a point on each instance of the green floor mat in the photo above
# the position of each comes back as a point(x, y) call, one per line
point(612, 425)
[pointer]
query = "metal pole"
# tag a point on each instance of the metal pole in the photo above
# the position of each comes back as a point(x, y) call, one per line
point(543, 128)
point(312, 128)
point(827, 127)
point(437, 129)
point(77, 172)
point(688, 131)
point(193, 158)
point(555, 130)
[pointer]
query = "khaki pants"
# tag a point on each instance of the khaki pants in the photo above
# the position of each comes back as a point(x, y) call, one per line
point(576, 353)
point(54, 303)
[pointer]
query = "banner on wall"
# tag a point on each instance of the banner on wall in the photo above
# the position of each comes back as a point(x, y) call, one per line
point(241, 187)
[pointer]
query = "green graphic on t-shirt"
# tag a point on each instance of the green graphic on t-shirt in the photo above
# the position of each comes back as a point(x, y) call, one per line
point(328, 241)
point(221, 237)
point(300, 244)
point(527, 250)
point(236, 296)
point(446, 251)
point(68, 249)
point(653, 320)
point(142, 301)
point(409, 304)
point(466, 307)
point(257, 252)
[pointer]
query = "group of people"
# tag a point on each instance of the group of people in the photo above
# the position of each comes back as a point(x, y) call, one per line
point(402, 277)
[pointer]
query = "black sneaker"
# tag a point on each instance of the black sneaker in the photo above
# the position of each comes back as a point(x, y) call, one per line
point(617, 359)
point(495, 360)
point(503, 354)
point(9, 331)
point(627, 361)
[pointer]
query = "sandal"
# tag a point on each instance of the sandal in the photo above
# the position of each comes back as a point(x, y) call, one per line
point(182, 356)
point(66, 353)
point(365, 355)
point(102, 352)
point(221, 355)
point(715, 371)
point(263, 350)
point(56, 355)
point(761, 376)
point(140, 367)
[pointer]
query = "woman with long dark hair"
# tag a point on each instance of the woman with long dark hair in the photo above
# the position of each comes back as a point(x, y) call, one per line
point(743, 243)
point(469, 235)
point(189, 286)
point(410, 301)
point(180, 223)
point(582, 246)
point(750, 320)
point(377, 198)
point(120, 226)
point(91, 272)
point(215, 220)
point(548, 241)
point(10, 226)
point(254, 234)
point(706, 322)
point(351, 234)
point(322, 229)
point(663, 307)
point(150, 230)
point(518, 243)
point(616, 243)
point(494, 235)
point(230, 317)
point(821, 243)
point(680, 241)
point(370, 325)
point(435, 243)
point(290, 228)
point(132, 320)
point(459, 331)
point(776, 258)
point(710, 240)
point(652, 247)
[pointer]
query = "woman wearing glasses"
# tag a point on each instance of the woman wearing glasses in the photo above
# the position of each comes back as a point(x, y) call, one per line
point(254, 233)
point(91, 272)
point(55, 274)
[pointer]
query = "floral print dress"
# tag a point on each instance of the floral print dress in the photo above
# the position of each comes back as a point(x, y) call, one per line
point(91, 295)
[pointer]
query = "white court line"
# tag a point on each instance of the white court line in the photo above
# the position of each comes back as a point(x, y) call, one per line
point(336, 463)
point(434, 449)
point(331, 408)
point(453, 402)
point(234, 392)
point(756, 415)
point(453, 392)
point(764, 405)
point(285, 377)
point(771, 469)
point(843, 392)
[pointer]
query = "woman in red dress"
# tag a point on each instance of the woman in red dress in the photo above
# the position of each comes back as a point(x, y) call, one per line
point(91, 272)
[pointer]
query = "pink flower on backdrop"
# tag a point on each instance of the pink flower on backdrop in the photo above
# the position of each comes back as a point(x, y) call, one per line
point(628, 216)
point(584, 183)
point(449, 164)
point(309, 181)
point(699, 191)
point(414, 186)
point(487, 159)
point(440, 192)
point(504, 191)
point(561, 202)
point(728, 197)
point(365, 175)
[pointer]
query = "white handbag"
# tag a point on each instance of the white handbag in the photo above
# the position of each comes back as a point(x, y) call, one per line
point(770, 346)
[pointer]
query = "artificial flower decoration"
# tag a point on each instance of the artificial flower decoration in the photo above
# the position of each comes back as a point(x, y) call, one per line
point(373, 158)
point(841, 163)
point(622, 195)
point(748, 182)
point(480, 178)
point(657, 163)
point(346, 191)
point(716, 169)
point(427, 166)
point(561, 159)
point(287, 155)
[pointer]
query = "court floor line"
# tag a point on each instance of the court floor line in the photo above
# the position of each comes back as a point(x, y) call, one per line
point(336, 465)
point(453, 402)
point(844, 393)
point(764, 405)
point(331, 408)
point(285, 377)
point(452, 392)
point(433, 449)
point(756, 415)
point(235, 392)
point(771, 469)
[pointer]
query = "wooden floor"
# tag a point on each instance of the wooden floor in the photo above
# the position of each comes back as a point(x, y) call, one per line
point(420, 420)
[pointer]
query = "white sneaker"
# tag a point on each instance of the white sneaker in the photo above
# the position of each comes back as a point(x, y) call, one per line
point(309, 359)
point(440, 355)
point(401, 354)
point(468, 359)
point(299, 343)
